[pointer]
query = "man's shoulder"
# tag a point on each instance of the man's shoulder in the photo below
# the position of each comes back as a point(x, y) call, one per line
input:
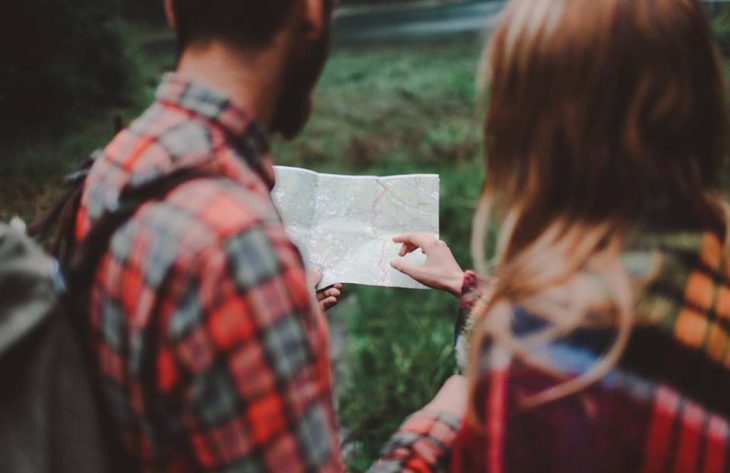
point(161, 142)
point(205, 223)
point(160, 139)
point(211, 215)
point(154, 145)
point(211, 212)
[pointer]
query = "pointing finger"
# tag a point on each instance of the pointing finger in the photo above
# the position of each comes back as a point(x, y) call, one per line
point(407, 269)
point(417, 240)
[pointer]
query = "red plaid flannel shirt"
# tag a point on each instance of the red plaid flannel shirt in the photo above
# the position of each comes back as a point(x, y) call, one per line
point(662, 409)
point(213, 354)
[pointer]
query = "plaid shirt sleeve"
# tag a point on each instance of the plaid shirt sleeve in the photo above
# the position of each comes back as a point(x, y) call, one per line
point(245, 368)
point(474, 290)
point(422, 444)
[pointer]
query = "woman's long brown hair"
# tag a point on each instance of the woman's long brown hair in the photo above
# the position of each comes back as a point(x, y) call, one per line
point(602, 114)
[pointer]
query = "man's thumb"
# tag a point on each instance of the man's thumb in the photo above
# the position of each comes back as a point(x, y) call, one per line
point(315, 276)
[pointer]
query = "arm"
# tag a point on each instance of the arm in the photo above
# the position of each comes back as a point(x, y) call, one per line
point(423, 443)
point(442, 272)
point(248, 363)
point(425, 440)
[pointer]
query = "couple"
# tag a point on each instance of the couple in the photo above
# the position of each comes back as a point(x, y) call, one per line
point(596, 341)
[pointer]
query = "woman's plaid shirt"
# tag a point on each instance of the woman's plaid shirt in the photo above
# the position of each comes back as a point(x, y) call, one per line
point(212, 353)
point(664, 408)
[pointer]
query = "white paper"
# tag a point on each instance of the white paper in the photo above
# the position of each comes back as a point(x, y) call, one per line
point(346, 224)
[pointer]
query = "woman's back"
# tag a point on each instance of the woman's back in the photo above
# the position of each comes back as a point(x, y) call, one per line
point(602, 344)
point(664, 407)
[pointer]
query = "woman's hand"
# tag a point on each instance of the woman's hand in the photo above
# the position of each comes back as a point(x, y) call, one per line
point(326, 298)
point(441, 271)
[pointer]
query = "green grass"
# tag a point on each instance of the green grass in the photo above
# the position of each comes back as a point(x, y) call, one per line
point(382, 111)
point(385, 111)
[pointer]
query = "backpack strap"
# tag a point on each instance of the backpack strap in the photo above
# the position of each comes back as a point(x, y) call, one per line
point(62, 217)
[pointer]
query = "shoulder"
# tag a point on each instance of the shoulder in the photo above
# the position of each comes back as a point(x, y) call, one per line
point(205, 216)
point(158, 143)
point(212, 251)
point(554, 327)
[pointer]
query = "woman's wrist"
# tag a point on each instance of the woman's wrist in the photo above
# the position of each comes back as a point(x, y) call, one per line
point(456, 283)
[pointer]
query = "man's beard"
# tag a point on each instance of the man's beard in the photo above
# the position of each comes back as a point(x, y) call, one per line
point(293, 109)
point(295, 102)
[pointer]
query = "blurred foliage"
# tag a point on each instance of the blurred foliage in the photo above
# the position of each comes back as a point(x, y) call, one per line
point(391, 111)
point(34, 160)
point(379, 111)
point(60, 59)
point(721, 26)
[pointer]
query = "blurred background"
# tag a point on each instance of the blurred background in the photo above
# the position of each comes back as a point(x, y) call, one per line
point(398, 96)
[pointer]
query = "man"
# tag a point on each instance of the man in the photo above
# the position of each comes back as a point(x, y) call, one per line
point(212, 354)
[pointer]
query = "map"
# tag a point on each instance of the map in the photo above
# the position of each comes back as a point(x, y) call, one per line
point(346, 224)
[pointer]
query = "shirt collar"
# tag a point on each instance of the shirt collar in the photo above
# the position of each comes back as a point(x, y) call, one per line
point(245, 133)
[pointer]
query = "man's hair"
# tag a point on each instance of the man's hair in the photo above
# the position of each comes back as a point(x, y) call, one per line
point(248, 23)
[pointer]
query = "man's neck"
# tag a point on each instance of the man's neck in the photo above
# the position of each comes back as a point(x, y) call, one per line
point(251, 80)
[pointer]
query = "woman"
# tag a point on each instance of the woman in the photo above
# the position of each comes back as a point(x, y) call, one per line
point(600, 344)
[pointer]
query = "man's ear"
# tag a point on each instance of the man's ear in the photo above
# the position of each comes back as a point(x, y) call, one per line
point(170, 14)
point(316, 16)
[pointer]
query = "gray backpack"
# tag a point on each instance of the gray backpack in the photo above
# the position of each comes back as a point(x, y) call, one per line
point(52, 416)
point(49, 418)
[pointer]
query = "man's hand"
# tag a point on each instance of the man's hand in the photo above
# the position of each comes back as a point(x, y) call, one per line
point(441, 271)
point(328, 297)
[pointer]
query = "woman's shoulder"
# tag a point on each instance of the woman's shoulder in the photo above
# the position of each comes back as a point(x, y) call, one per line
point(678, 282)
point(680, 309)
point(679, 276)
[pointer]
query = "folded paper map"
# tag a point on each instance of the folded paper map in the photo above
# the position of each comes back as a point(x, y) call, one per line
point(346, 224)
